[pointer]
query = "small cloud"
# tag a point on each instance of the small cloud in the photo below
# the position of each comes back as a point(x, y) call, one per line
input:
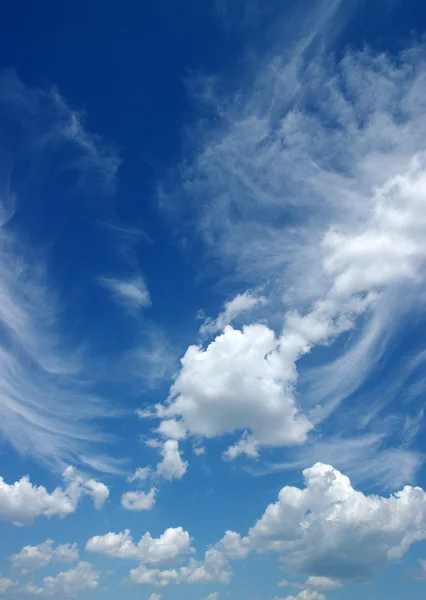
point(131, 293)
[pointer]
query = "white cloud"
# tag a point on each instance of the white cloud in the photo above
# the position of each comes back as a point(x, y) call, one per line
point(234, 546)
point(240, 304)
point(139, 500)
point(334, 532)
point(33, 558)
point(70, 583)
point(304, 595)
point(131, 293)
point(236, 384)
point(172, 466)
point(246, 445)
point(323, 583)
point(21, 502)
point(212, 596)
point(140, 474)
point(155, 597)
point(170, 428)
point(308, 186)
point(49, 410)
point(213, 568)
point(173, 543)
point(6, 585)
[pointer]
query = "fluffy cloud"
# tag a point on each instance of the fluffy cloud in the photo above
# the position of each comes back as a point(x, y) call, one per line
point(21, 502)
point(139, 500)
point(246, 446)
point(237, 384)
point(212, 568)
point(172, 466)
point(32, 558)
point(323, 583)
point(140, 474)
point(173, 543)
point(321, 196)
point(155, 597)
point(70, 583)
point(333, 532)
point(130, 293)
point(212, 596)
point(232, 309)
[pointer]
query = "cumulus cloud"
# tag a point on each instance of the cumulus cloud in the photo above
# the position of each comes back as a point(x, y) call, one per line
point(173, 543)
point(21, 502)
point(211, 569)
point(332, 531)
point(69, 583)
point(172, 466)
point(312, 181)
point(212, 596)
point(33, 558)
point(155, 597)
point(139, 500)
point(131, 293)
point(242, 303)
point(236, 384)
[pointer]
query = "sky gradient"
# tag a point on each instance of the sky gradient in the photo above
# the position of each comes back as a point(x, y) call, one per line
point(212, 291)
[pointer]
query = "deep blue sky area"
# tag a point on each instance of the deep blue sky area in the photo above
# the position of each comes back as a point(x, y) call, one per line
point(212, 291)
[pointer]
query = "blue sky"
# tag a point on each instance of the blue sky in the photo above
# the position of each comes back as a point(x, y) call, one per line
point(212, 281)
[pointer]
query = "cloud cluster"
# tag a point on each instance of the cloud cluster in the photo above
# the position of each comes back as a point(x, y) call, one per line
point(21, 502)
point(313, 182)
point(33, 558)
point(173, 543)
point(333, 532)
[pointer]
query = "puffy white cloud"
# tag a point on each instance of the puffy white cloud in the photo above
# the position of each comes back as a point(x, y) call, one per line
point(21, 502)
point(330, 530)
point(32, 558)
point(172, 466)
point(170, 428)
point(234, 546)
point(319, 195)
point(246, 445)
point(323, 583)
point(130, 293)
point(212, 568)
point(140, 474)
point(72, 582)
point(238, 383)
point(139, 500)
point(232, 309)
point(173, 543)
point(155, 597)
point(212, 596)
